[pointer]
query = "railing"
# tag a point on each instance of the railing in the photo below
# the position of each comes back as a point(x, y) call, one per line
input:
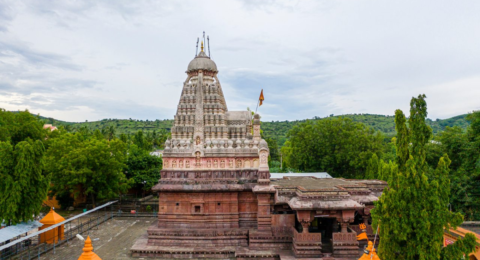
point(340, 237)
point(306, 237)
point(28, 247)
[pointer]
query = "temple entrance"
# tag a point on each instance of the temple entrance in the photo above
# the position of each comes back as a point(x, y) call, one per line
point(325, 226)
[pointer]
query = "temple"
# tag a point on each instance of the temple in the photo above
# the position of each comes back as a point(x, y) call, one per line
point(217, 199)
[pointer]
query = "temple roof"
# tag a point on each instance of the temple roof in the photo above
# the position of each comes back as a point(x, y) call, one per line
point(202, 62)
point(52, 218)
point(306, 192)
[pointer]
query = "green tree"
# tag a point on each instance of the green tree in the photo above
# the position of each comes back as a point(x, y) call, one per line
point(18, 126)
point(92, 167)
point(373, 168)
point(23, 184)
point(143, 168)
point(338, 146)
point(413, 210)
point(141, 141)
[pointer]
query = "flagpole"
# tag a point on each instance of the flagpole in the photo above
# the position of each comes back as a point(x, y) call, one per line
point(258, 102)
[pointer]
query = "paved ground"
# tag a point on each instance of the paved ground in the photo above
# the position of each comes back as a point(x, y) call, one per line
point(112, 241)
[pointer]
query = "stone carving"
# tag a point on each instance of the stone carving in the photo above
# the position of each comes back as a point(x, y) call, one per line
point(230, 163)
point(165, 163)
point(263, 158)
point(255, 163)
point(180, 164)
point(239, 163)
point(209, 164)
point(247, 163)
point(222, 164)
point(174, 164)
point(197, 140)
point(187, 164)
point(215, 164)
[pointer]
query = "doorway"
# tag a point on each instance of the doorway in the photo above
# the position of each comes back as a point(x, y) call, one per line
point(325, 226)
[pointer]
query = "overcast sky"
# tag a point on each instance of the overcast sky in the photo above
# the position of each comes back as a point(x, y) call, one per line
point(90, 59)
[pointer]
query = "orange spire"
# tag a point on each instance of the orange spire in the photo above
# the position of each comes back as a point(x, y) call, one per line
point(88, 253)
point(52, 218)
point(371, 255)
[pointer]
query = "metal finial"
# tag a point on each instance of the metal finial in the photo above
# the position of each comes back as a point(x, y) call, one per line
point(196, 49)
point(203, 36)
point(202, 47)
point(208, 43)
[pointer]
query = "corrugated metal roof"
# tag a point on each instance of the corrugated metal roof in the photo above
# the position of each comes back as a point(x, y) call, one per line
point(302, 174)
point(14, 231)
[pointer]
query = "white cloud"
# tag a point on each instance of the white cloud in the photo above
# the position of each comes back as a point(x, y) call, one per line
point(88, 60)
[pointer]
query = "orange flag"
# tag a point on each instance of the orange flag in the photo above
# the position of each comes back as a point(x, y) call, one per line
point(362, 236)
point(261, 98)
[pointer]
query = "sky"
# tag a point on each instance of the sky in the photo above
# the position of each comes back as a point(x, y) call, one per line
point(94, 59)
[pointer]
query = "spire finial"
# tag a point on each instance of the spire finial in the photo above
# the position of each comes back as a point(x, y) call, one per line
point(202, 47)
point(88, 253)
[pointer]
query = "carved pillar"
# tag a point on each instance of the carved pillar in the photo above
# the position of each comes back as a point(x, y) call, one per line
point(305, 217)
point(345, 244)
point(344, 226)
point(264, 218)
point(256, 127)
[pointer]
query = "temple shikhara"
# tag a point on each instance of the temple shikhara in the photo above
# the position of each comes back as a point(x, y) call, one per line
point(217, 198)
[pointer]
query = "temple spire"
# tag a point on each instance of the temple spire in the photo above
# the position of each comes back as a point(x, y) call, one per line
point(88, 253)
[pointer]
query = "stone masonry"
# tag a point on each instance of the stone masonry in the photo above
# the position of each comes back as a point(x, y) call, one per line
point(216, 198)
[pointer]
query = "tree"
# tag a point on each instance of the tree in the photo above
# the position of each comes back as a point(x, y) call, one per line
point(143, 168)
point(465, 150)
point(141, 141)
point(338, 146)
point(23, 184)
point(89, 166)
point(413, 210)
point(18, 126)
point(373, 167)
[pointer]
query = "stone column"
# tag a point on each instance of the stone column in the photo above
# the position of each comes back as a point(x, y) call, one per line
point(264, 218)
point(305, 217)
point(344, 226)
point(256, 127)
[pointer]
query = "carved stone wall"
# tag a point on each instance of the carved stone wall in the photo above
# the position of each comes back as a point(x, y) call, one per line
point(307, 245)
point(345, 245)
point(199, 210)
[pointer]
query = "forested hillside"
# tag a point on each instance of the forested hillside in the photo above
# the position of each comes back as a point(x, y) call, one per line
point(278, 129)
point(273, 129)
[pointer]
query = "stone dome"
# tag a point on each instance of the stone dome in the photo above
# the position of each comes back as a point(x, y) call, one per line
point(202, 62)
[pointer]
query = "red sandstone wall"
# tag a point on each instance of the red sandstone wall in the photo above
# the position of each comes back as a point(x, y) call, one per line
point(283, 220)
point(207, 210)
point(247, 209)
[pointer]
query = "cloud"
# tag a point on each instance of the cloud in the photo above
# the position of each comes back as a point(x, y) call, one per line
point(91, 59)
point(34, 57)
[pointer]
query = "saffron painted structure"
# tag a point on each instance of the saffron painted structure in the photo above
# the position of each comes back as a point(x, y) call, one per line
point(52, 236)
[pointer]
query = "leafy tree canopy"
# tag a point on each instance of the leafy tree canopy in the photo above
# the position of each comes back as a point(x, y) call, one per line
point(413, 211)
point(23, 184)
point(143, 168)
point(87, 166)
point(338, 146)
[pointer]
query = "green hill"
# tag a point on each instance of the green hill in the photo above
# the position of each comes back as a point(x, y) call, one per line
point(274, 129)
point(278, 129)
point(122, 126)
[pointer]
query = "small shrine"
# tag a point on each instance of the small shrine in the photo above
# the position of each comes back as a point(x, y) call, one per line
point(88, 253)
point(52, 236)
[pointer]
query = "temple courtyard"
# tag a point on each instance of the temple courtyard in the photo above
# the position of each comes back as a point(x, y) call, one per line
point(112, 240)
